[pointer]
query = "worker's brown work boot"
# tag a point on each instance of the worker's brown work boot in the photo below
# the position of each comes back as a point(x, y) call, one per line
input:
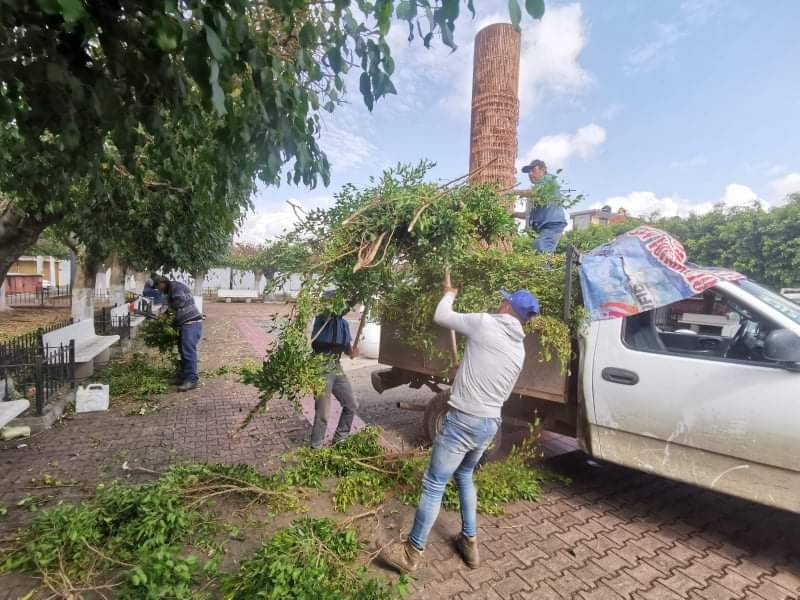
point(402, 556)
point(468, 548)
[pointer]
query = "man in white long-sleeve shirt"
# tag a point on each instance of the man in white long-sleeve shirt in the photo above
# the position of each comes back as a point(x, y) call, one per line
point(493, 358)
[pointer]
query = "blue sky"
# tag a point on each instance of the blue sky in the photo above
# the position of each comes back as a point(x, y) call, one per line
point(654, 106)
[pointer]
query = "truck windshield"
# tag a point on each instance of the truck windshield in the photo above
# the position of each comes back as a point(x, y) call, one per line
point(776, 301)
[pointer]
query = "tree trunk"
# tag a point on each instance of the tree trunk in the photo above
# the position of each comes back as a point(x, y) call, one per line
point(139, 277)
point(117, 284)
point(83, 290)
point(199, 279)
point(17, 234)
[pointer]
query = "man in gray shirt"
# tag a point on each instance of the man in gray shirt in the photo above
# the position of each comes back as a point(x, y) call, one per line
point(493, 358)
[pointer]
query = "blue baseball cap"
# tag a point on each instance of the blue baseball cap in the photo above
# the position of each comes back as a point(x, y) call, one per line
point(524, 303)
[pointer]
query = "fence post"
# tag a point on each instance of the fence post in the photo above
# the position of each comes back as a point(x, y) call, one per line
point(72, 363)
point(38, 378)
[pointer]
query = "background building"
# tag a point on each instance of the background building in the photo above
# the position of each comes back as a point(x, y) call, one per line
point(582, 219)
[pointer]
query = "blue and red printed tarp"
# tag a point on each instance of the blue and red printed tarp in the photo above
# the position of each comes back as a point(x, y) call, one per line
point(641, 270)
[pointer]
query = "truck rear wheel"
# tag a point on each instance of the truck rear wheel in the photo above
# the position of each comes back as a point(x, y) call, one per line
point(435, 413)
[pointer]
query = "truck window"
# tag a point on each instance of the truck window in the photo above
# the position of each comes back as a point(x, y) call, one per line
point(710, 326)
point(782, 304)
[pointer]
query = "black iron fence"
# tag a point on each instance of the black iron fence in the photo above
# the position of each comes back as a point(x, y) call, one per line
point(23, 345)
point(30, 370)
point(105, 323)
point(52, 296)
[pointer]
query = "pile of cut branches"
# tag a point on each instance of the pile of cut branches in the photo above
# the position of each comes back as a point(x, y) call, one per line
point(165, 538)
point(390, 245)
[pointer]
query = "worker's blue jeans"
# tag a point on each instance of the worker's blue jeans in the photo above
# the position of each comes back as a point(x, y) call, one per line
point(456, 451)
point(547, 237)
point(188, 337)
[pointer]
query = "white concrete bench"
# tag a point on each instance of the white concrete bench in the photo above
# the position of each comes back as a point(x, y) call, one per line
point(89, 348)
point(246, 295)
point(12, 409)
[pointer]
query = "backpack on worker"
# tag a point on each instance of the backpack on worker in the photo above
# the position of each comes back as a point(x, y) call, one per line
point(330, 334)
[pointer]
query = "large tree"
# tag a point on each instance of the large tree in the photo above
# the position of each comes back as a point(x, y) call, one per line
point(274, 260)
point(80, 79)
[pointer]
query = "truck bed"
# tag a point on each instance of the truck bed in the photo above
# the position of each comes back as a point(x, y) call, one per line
point(540, 380)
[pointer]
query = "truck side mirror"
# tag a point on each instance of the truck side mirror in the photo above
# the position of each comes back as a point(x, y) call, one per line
point(782, 346)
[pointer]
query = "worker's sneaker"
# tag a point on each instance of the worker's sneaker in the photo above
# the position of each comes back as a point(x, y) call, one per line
point(468, 548)
point(187, 386)
point(402, 556)
point(177, 381)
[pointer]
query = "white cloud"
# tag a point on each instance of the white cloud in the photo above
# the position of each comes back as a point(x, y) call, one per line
point(737, 194)
point(264, 224)
point(341, 141)
point(699, 12)
point(548, 61)
point(556, 149)
point(692, 14)
point(644, 204)
point(788, 184)
point(644, 57)
point(689, 163)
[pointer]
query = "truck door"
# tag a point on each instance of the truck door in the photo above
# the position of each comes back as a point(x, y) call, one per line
point(703, 406)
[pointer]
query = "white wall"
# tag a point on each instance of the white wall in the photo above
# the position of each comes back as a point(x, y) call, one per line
point(64, 272)
point(103, 281)
point(290, 288)
point(220, 278)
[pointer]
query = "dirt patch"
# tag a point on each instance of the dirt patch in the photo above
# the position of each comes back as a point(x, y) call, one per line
point(19, 321)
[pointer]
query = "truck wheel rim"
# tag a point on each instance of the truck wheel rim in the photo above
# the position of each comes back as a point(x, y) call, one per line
point(440, 421)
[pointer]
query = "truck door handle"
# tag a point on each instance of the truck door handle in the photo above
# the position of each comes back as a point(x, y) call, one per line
point(621, 376)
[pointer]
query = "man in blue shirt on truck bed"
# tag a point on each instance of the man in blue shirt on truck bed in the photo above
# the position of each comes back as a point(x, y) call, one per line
point(546, 216)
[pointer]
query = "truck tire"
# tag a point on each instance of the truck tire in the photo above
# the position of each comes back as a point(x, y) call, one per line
point(435, 412)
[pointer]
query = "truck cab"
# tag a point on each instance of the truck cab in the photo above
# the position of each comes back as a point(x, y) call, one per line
point(711, 397)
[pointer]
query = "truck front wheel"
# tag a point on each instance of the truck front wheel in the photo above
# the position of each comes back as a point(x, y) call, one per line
point(435, 413)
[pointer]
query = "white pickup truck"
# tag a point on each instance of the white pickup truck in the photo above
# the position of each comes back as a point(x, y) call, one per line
point(718, 411)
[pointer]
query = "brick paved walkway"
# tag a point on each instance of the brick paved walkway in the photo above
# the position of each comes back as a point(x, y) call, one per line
point(613, 533)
